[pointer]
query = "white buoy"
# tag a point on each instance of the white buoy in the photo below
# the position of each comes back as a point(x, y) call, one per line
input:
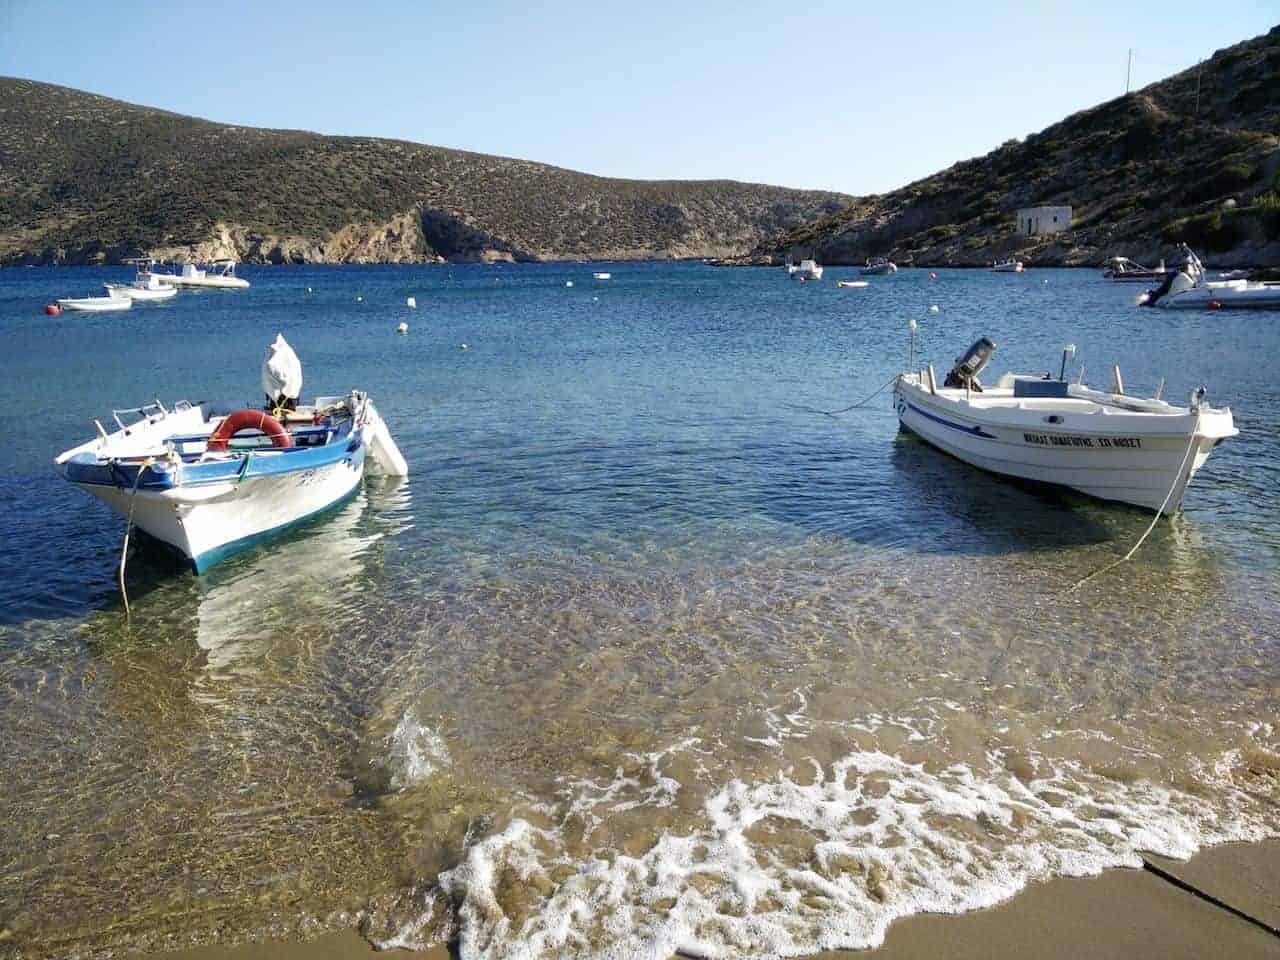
point(359, 299)
point(933, 308)
point(568, 283)
point(403, 328)
point(308, 289)
point(464, 346)
point(595, 299)
point(412, 303)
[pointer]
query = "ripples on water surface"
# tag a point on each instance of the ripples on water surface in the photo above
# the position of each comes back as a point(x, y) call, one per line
point(645, 654)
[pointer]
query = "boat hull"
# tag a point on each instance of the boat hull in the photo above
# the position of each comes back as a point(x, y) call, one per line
point(224, 283)
point(96, 304)
point(1225, 295)
point(1124, 465)
point(207, 523)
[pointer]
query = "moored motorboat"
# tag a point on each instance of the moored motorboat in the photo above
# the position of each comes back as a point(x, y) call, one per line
point(879, 266)
point(210, 480)
point(602, 276)
point(1103, 443)
point(106, 304)
point(1188, 288)
point(1007, 266)
point(1124, 270)
point(146, 285)
point(220, 274)
point(851, 283)
point(805, 270)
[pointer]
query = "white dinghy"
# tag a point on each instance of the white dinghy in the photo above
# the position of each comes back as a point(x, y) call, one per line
point(210, 480)
point(107, 304)
point(220, 274)
point(879, 267)
point(1007, 266)
point(1106, 444)
point(1189, 288)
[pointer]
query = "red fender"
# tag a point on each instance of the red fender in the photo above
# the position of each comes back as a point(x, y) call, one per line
point(241, 420)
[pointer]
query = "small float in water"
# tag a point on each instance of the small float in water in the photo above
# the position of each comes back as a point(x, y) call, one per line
point(804, 270)
point(1189, 288)
point(1007, 266)
point(602, 276)
point(851, 283)
point(1103, 443)
point(879, 266)
point(209, 480)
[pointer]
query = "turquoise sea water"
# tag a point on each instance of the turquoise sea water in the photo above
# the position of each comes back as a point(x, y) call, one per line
point(647, 653)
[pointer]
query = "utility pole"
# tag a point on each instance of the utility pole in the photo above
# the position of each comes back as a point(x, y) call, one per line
point(1128, 73)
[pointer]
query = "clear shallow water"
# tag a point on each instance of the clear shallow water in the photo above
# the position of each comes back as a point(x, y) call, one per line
point(645, 654)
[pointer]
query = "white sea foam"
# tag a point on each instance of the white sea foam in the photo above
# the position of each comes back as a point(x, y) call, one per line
point(414, 752)
point(819, 856)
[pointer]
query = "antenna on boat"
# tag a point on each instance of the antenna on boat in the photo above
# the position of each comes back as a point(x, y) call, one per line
point(911, 348)
point(1068, 352)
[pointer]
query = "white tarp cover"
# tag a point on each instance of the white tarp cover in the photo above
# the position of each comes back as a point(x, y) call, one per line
point(281, 371)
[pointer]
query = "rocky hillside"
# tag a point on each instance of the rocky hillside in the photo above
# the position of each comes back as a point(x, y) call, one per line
point(1142, 172)
point(87, 179)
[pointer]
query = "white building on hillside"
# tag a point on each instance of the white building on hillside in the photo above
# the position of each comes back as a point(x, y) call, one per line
point(1034, 221)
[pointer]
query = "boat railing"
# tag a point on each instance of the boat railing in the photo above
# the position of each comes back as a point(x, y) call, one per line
point(144, 412)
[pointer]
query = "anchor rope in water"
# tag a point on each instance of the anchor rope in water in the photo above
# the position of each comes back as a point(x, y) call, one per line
point(853, 406)
point(128, 528)
point(1177, 478)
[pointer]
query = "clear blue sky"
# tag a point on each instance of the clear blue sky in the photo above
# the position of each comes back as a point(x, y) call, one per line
point(802, 94)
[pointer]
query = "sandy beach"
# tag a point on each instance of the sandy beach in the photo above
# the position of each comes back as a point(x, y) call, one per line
point(1122, 914)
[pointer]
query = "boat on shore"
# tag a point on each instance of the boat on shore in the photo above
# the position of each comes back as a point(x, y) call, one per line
point(1007, 266)
point(219, 273)
point(108, 304)
point(804, 270)
point(1140, 451)
point(879, 266)
point(1189, 288)
point(209, 480)
point(1124, 270)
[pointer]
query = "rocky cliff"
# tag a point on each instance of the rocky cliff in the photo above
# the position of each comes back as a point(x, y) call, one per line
point(1194, 158)
point(88, 179)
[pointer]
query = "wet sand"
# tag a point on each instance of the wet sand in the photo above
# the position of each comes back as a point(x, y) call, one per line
point(1123, 914)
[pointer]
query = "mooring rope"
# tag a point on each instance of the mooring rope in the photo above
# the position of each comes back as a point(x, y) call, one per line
point(1177, 478)
point(128, 528)
point(1205, 895)
point(853, 406)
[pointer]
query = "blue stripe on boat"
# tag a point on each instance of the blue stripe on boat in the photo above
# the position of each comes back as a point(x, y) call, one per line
point(972, 431)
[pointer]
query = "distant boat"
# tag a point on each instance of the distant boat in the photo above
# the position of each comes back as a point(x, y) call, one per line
point(804, 270)
point(105, 304)
point(219, 273)
point(1124, 270)
point(146, 284)
point(851, 283)
point(602, 276)
point(1189, 289)
point(879, 266)
point(1007, 266)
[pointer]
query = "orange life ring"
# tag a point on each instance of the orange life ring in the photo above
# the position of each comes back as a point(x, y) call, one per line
point(234, 423)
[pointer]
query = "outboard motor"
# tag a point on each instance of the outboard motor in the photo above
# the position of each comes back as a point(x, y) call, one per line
point(970, 364)
point(1175, 282)
point(281, 375)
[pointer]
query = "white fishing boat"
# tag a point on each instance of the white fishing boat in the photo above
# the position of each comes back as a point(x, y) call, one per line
point(1124, 270)
point(209, 480)
point(106, 304)
point(1007, 266)
point(879, 266)
point(602, 276)
point(146, 285)
point(219, 273)
point(1189, 288)
point(1103, 443)
point(804, 270)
